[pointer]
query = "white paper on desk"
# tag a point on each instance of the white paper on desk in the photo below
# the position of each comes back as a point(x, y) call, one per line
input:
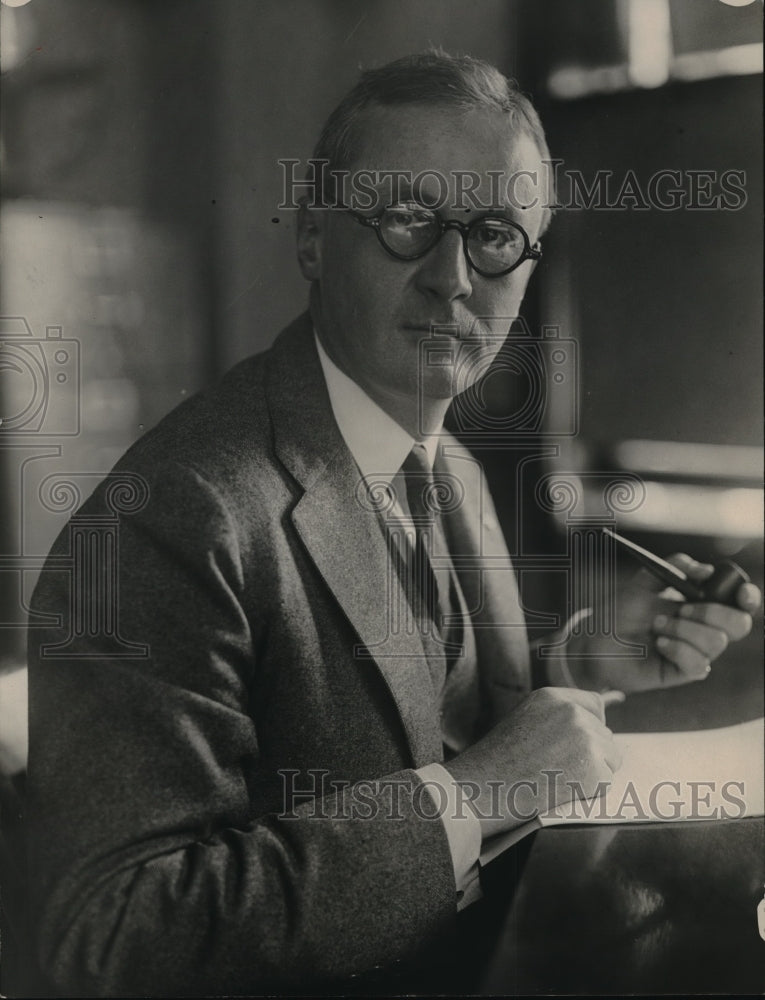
point(668, 777)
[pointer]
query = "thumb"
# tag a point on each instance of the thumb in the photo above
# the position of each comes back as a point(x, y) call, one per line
point(695, 571)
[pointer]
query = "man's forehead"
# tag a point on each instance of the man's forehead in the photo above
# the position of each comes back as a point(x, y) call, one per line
point(437, 150)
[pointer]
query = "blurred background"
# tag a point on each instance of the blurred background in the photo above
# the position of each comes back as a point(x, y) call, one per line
point(144, 251)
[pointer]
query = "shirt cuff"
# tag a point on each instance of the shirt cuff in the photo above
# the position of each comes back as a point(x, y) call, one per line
point(463, 831)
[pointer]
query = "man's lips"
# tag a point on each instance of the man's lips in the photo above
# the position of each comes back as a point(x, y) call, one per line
point(470, 329)
point(446, 328)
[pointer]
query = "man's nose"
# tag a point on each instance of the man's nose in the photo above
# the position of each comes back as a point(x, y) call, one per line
point(445, 271)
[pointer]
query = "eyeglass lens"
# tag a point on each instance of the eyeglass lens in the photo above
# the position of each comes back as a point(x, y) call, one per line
point(493, 245)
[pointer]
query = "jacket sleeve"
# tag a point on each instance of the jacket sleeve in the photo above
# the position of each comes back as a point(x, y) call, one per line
point(149, 874)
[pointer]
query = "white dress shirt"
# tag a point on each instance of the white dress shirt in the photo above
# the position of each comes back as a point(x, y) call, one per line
point(379, 446)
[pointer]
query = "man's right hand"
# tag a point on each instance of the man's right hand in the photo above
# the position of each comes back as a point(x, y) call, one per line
point(560, 731)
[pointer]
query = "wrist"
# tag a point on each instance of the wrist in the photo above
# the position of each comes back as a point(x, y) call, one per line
point(499, 804)
point(468, 777)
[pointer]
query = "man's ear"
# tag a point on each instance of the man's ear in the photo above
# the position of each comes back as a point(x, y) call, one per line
point(525, 272)
point(309, 234)
point(532, 264)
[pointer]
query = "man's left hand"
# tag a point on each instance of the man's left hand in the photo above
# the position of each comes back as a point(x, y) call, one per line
point(682, 638)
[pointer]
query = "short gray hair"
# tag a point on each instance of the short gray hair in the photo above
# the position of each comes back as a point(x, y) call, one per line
point(431, 77)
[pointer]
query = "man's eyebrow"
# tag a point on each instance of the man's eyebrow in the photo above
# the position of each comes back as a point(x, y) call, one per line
point(396, 187)
point(510, 213)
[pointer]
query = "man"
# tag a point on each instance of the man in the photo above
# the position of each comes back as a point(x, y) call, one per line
point(262, 581)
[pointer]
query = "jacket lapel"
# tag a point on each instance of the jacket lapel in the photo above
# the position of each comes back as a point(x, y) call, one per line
point(343, 535)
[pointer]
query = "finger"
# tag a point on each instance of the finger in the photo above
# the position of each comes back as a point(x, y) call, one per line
point(613, 697)
point(709, 641)
point(736, 624)
point(603, 758)
point(612, 755)
point(646, 581)
point(690, 663)
point(591, 701)
point(695, 571)
point(749, 598)
point(673, 597)
point(590, 776)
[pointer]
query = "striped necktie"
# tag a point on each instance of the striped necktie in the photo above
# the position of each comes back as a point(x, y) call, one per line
point(437, 606)
point(431, 593)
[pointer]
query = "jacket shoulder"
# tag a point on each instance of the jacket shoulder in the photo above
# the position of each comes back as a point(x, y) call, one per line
point(214, 427)
point(224, 433)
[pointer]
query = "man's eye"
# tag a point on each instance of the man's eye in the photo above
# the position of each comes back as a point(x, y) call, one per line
point(401, 218)
point(407, 217)
point(495, 235)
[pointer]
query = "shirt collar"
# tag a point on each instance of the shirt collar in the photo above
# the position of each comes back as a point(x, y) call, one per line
point(377, 442)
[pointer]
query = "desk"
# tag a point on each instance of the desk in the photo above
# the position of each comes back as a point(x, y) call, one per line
point(665, 908)
point(654, 909)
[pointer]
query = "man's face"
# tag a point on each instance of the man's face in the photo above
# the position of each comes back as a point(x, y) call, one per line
point(373, 310)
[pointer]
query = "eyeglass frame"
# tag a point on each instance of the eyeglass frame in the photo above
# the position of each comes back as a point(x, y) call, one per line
point(530, 251)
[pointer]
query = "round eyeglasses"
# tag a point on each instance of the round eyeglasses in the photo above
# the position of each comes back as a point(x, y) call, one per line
point(493, 246)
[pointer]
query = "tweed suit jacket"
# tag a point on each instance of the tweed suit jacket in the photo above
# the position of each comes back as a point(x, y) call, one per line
point(256, 582)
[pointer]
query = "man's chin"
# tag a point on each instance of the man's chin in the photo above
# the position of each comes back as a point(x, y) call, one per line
point(458, 368)
point(439, 386)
